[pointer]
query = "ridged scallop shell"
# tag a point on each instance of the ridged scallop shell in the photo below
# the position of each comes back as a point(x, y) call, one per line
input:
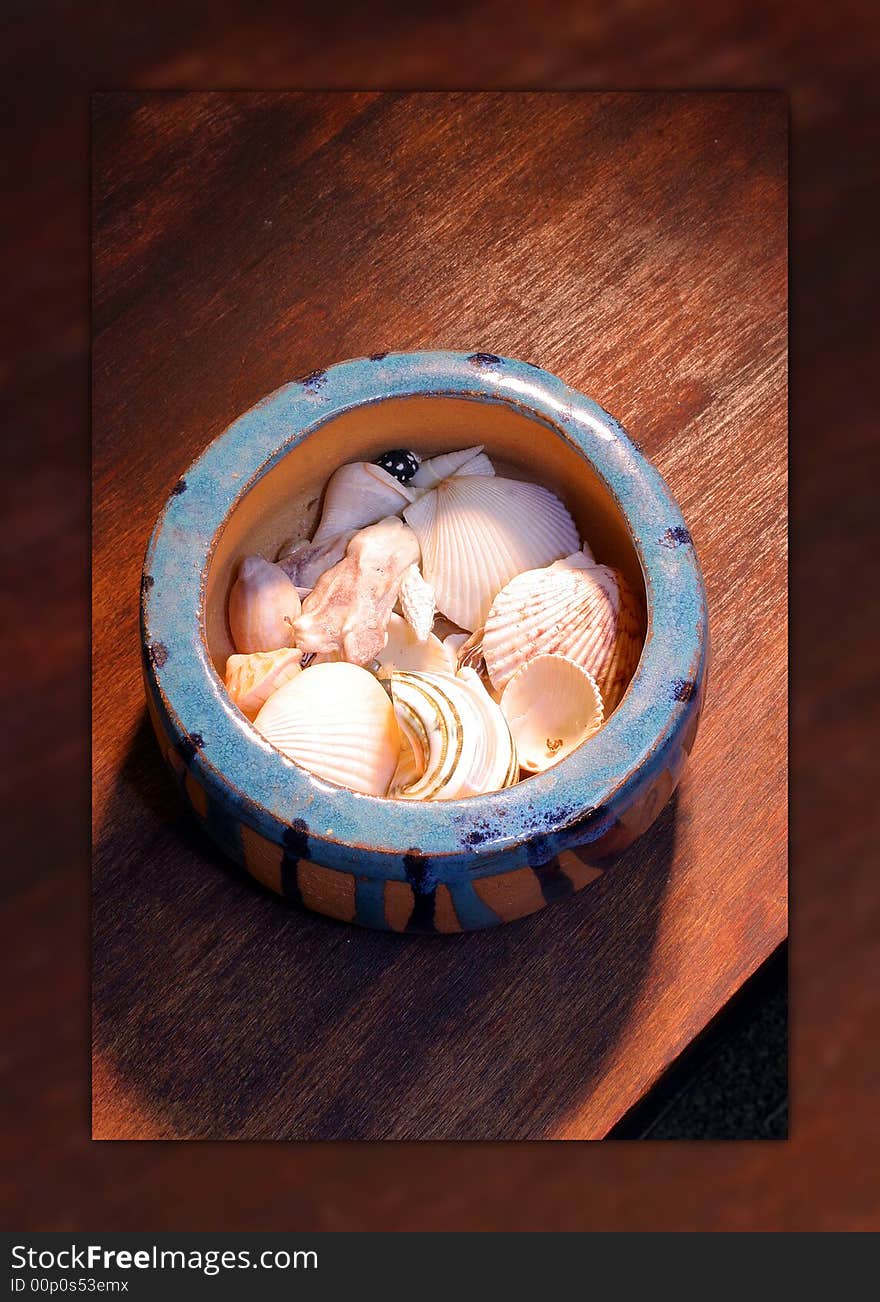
point(357, 495)
point(572, 608)
point(403, 650)
point(476, 532)
point(263, 605)
point(251, 679)
point(337, 721)
point(460, 739)
point(551, 706)
point(468, 461)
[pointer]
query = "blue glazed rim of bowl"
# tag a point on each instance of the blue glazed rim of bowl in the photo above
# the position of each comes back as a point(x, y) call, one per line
point(571, 804)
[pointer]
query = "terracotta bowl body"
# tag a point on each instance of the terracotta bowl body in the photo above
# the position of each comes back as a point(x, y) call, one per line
point(412, 866)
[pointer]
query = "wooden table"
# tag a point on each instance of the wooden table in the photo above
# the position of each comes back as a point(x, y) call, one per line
point(634, 244)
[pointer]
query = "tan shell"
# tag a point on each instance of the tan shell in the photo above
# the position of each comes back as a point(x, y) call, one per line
point(552, 705)
point(349, 607)
point(476, 532)
point(263, 605)
point(337, 721)
point(251, 679)
point(573, 608)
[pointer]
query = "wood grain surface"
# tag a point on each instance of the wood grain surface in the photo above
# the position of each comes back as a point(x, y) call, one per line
point(634, 244)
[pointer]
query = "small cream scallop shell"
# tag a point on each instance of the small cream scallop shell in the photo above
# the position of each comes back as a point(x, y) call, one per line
point(263, 605)
point(357, 495)
point(573, 608)
point(460, 739)
point(476, 532)
point(337, 721)
point(403, 650)
point(251, 679)
point(551, 705)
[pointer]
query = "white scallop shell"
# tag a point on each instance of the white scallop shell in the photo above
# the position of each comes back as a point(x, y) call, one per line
point(337, 721)
point(460, 739)
point(477, 532)
point(356, 495)
point(551, 705)
point(403, 650)
point(573, 608)
point(251, 679)
point(263, 605)
point(468, 461)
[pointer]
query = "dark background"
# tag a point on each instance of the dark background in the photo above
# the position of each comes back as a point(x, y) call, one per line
point(55, 53)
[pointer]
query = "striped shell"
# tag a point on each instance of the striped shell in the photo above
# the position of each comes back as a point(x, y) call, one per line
point(552, 705)
point(476, 532)
point(337, 721)
point(573, 608)
point(461, 744)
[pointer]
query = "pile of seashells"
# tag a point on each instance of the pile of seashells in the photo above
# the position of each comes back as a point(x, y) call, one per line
point(442, 634)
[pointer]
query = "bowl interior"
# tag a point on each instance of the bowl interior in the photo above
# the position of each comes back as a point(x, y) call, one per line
point(284, 502)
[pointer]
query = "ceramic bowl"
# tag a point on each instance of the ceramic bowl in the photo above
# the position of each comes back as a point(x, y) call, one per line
point(413, 866)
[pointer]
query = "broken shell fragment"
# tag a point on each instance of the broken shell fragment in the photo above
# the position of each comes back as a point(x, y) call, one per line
point(251, 679)
point(305, 562)
point(573, 608)
point(404, 650)
point(552, 705)
point(337, 721)
point(263, 606)
point(476, 532)
point(350, 605)
point(459, 738)
point(417, 602)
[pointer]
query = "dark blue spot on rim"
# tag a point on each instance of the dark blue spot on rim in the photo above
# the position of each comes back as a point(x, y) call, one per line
point(377, 357)
point(314, 381)
point(179, 487)
point(683, 689)
point(484, 359)
point(187, 746)
point(479, 834)
point(147, 582)
point(676, 537)
point(158, 654)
